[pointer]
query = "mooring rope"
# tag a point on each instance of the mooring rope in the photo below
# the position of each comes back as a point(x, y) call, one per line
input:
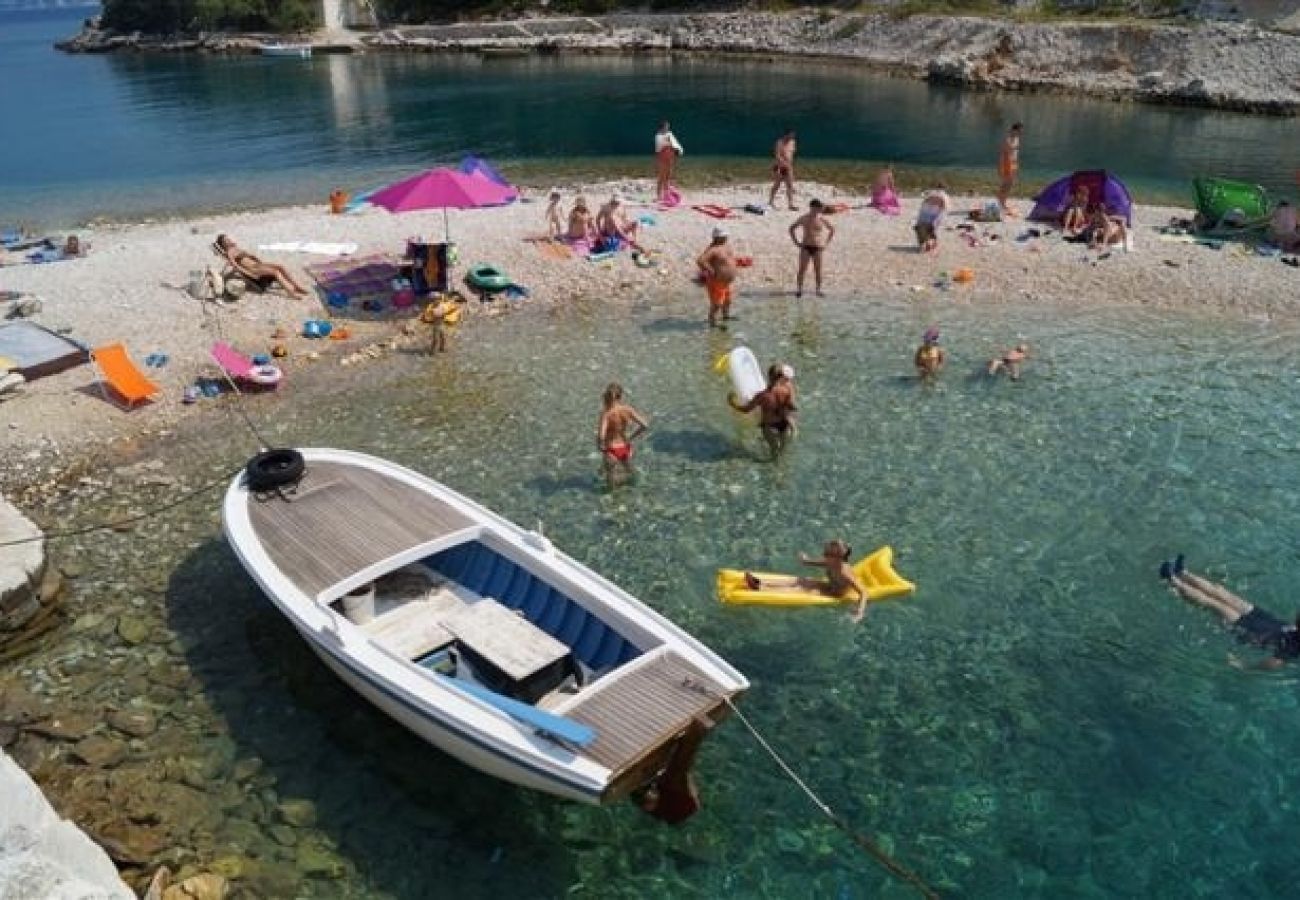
point(874, 850)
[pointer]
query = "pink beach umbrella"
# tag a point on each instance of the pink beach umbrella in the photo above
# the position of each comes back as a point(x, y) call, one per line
point(443, 189)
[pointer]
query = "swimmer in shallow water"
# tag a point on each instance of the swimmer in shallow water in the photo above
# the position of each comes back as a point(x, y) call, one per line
point(612, 437)
point(839, 580)
point(1251, 624)
point(776, 407)
point(929, 358)
point(1009, 361)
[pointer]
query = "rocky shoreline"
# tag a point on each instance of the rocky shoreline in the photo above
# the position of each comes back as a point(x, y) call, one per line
point(1238, 67)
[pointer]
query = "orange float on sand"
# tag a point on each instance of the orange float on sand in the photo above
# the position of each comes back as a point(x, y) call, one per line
point(963, 276)
point(338, 200)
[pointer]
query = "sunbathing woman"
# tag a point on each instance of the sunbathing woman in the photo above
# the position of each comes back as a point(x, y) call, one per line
point(1251, 624)
point(251, 266)
point(581, 225)
point(1104, 229)
point(839, 579)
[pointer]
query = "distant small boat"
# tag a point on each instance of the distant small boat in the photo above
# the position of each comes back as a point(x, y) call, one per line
point(482, 638)
point(294, 51)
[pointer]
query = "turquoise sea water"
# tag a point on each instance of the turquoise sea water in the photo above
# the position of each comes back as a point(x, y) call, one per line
point(128, 136)
point(1041, 719)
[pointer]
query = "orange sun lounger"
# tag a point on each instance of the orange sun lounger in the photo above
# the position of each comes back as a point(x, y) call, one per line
point(116, 371)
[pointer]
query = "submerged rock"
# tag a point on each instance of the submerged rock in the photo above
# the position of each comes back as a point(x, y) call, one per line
point(207, 886)
point(298, 813)
point(133, 722)
point(316, 860)
point(133, 630)
point(100, 752)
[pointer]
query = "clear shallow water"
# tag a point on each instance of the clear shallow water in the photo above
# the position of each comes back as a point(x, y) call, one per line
point(130, 136)
point(1042, 718)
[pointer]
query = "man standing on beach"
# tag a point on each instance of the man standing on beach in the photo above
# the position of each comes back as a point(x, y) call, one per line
point(816, 237)
point(718, 266)
point(783, 168)
point(1009, 167)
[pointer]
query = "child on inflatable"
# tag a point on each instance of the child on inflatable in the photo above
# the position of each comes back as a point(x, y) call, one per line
point(838, 581)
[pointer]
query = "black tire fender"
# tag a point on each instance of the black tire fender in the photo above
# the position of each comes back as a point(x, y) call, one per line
point(274, 468)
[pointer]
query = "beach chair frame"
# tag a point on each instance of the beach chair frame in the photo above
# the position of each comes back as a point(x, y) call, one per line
point(104, 379)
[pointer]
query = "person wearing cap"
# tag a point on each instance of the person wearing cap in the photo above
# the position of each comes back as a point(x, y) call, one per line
point(554, 221)
point(840, 578)
point(929, 357)
point(1010, 361)
point(612, 223)
point(783, 168)
point(667, 151)
point(718, 266)
point(812, 233)
point(776, 407)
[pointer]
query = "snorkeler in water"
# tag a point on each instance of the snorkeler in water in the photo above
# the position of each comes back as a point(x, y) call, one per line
point(1251, 624)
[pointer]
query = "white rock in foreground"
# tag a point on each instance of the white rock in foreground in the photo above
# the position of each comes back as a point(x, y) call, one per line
point(44, 857)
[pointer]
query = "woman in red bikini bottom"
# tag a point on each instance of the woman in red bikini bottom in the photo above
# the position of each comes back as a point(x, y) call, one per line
point(612, 436)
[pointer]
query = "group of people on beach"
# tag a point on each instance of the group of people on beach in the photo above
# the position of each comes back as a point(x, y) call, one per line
point(610, 228)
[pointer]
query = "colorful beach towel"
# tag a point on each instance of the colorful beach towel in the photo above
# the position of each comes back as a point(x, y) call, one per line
point(551, 247)
point(360, 283)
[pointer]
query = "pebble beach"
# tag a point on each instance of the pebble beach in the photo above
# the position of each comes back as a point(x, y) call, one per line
point(132, 287)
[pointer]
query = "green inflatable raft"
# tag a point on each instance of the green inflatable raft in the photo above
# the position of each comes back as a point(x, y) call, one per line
point(488, 279)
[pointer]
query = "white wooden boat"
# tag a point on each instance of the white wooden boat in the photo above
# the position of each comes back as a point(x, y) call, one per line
point(477, 635)
point(294, 51)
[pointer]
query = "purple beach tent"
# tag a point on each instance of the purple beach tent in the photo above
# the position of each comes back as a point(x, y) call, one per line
point(1102, 187)
point(472, 165)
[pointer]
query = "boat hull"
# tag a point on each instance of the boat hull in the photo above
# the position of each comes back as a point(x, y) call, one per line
point(429, 730)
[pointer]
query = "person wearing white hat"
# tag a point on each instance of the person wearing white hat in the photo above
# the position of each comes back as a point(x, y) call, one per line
point(718, 268)
point(776, 407)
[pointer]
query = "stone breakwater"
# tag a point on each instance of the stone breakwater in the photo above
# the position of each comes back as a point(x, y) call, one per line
point(1226, 66)
point(42, 855)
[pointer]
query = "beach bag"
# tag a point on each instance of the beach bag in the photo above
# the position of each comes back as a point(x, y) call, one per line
point(206, 285)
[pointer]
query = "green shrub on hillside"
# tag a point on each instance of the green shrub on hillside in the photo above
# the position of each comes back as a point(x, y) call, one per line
point(175, 16)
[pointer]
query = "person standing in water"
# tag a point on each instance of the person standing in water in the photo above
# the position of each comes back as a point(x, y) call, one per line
point(929, 358)
point(612, 438)
point(783, 168)
point(1010, 361)
point(776, 407)
point(812, 234)
point(840, 578)
point(667, 150)
point(1009, 167)
point(718, 266)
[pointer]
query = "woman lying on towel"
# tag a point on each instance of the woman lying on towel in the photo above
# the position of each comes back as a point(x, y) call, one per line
point(250, 266)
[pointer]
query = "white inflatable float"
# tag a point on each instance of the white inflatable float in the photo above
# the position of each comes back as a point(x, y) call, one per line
point(747, 378)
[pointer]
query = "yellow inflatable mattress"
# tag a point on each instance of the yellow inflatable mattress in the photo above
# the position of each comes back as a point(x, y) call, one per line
point(876, 573)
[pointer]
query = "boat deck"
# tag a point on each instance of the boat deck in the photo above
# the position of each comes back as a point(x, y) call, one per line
point(344, 518)
point(636, 712)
